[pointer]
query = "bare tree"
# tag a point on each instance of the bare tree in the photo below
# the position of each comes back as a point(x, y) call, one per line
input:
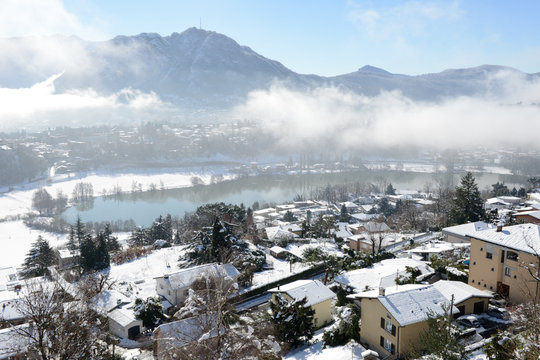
point(56, 328)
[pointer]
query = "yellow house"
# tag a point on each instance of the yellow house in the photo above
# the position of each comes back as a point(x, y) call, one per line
point(467, 299)
point(318, 296)
point(391, 324)
point(500, 259)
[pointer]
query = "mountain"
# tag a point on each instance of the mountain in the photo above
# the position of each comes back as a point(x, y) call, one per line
point(204, 69)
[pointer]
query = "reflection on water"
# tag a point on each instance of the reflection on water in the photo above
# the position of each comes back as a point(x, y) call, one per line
point(144, 207)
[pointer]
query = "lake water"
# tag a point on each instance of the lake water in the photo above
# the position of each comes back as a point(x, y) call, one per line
point(144, 207)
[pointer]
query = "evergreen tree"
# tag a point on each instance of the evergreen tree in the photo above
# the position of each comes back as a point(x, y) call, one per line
point(390, 190)
point(88, 254)
point(293, 322)
point(72, 244)
point(384, 207)
point(499, 189)
point(40, 256)
point(344, 214)
point(112, 241)
point(467, 205)
point(289, 217)
point(218, 240)
point(150, 311)
point(102, 259)
point(440, 338)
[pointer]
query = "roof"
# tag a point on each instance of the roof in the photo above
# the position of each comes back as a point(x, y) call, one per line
point(108, 300)
point(376, 227)
point(467, 229)
point(124, 317)
point(535, 214)
point(434, 247)
point(413, 306)
point(12, 344)
point(185, 277)
point(389, 290)
point(381, 274)
point(180, 333)
point(314, 290)
point(522, 237)
point(460, 290)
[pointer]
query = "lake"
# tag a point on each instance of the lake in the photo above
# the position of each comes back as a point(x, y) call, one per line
point(144, 207)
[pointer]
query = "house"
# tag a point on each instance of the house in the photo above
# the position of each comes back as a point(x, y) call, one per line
point(171, 338)
point(118, 310)
point(275, 233)
point(532, 217)
point(8, 278)
point(67, 258)
point(318, 296)
point(459, 233)
point(391, 324)
point(174, 286)
point(500, 258)
point(438, 248)
point(467, 299)
point(381, 275)
point(278, 252)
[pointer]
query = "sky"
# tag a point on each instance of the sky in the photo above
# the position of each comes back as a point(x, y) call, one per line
point(312, 36)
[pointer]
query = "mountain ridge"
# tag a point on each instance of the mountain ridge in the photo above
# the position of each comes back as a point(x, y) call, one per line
point(201, 68)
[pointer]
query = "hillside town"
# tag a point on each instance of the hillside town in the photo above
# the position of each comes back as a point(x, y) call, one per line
point(388, 274)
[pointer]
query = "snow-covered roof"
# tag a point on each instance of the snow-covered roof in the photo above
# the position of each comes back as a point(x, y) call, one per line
point(389, 290)
point(460, 290)
point(413, 306)
point(468, 229)
point(277, 249)
point(185, 277)
point(279, 232)
point(495, 201)
point(522, 237)
point(108, 300)
point(124, 317)
point(349, 204)
point(343, 230)
point(313, 290)
point(535, 214)
point(373, 226)
point(67, 254)
point(381, 274)
point(11, 343)
point(435, 247)
point(364, 217)
point(180, 333)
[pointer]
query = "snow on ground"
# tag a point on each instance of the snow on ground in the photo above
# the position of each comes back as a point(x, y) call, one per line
point(315, 351)
point(17, 238)
point(135, 279)
point(281, 269)
point(326, 245)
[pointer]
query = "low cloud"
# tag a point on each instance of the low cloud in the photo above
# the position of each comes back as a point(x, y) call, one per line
point(40, 106)
point(335, 119)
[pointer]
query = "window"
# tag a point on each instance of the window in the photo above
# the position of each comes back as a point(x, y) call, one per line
point(507, 271)
point(510, 255)
point(474, 263)
point(472, 281)
point(388, 326)
point(489, 255)
point(481, 249)
point(387, 345)
point(492, 269)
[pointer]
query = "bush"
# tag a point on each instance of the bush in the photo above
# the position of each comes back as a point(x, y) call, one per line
point(129, 254)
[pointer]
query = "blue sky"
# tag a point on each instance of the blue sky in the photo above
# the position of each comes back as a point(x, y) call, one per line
point(315, 36)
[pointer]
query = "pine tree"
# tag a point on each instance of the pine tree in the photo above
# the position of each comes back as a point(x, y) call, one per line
point(293, 322)
point(150, 311)
point(72, 244)
point(88, 254)
point(112, 241)
point(102, 260)
point(39, 258)
point(344, 214)
point(467, 205)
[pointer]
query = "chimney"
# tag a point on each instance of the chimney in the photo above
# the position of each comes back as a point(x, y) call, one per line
point(370, 355)
point(500, 226)
point(382, 291)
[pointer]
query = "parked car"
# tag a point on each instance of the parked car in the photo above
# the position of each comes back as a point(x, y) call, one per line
point(468, 322)
point(498, 313)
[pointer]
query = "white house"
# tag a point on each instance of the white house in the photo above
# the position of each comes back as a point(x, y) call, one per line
point(174, 286)
point(119, 312)
point(458, 233)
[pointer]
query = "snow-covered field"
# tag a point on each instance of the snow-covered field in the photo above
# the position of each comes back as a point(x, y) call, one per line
point(16, 238)
point(135, 279)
